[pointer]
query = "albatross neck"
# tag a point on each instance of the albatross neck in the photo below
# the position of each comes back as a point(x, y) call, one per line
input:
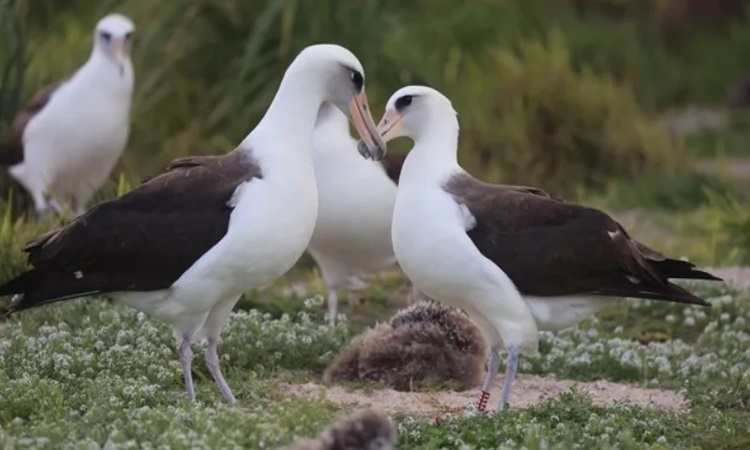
point(434, 155)
point(100, 70)
point(289, 122)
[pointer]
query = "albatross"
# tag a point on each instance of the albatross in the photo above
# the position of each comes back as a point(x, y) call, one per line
point(514, 258)
point(64, 144)
point(352, 234)
point(185, 245)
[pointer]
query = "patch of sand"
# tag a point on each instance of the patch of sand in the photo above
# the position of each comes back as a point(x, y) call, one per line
point(528, 390)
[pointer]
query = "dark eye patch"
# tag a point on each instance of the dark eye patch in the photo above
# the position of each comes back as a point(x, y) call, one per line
point(403, 102)
point(128, 35)
point(106, 36)
point(358, 80)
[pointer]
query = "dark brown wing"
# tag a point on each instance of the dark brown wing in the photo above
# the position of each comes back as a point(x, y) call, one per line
point(552, 248)
point(12, 152)
point(141, 241)
point(392, 163)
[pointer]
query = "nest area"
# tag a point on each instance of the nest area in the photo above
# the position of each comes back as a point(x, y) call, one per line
point(425, 343)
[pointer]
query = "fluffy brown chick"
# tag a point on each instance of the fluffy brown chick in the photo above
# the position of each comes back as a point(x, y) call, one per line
point(425, 342)
point(366, 429)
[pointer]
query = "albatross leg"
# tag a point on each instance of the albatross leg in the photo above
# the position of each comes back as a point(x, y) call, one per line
point(415, 295)
point(186, 358)
point(333, 304)
point(40, 203)
point(492, 366)
point(212, 361)
point(211, 329)
point(55, 206)
point(510, 374)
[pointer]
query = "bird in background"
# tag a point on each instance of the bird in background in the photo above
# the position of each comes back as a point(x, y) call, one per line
point(64, 144)
point(516, 259)
point(185, 245)
point(352, 234)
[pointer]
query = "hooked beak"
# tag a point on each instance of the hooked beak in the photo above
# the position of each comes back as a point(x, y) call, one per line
point(372, 146)
point(118, 47)
point(390, 126)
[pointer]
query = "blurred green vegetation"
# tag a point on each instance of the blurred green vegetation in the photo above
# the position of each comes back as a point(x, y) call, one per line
point(574, 96)
point(206, 70)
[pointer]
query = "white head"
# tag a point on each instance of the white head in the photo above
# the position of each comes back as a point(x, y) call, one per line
point(113, 38)
point(413, 111)
point(344, 86)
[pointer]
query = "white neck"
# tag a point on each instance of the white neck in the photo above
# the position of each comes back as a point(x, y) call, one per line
point(331, 121)
point(102, 71)
point(434, 156)
point(287, 126)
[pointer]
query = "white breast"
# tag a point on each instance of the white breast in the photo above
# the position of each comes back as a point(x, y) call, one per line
point(355, 201)
point(75, 141)
point(269, 229)
point(433, 249)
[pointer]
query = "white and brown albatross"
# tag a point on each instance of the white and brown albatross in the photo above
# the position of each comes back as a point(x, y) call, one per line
point(514, 258)
point(185, 245)
point(64, 144)
point(352, 234)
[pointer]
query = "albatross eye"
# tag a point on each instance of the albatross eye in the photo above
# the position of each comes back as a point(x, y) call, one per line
point(358, 80)
point(128, 35)
point(403, 102)
point(106, 36)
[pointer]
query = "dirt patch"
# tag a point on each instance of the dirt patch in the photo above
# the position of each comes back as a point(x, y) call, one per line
point(528, 390)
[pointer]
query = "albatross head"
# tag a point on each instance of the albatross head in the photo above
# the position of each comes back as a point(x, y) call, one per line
point(414, 110)
point(344, 87)
point(113, 37)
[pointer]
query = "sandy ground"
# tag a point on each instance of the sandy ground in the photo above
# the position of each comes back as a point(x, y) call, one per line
point(528, 390)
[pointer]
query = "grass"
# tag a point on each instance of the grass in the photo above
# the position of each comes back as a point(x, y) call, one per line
point(725, 143)
point(206, 71)
point(90, 373)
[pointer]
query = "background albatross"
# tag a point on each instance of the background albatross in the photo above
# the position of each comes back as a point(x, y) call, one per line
point(355, 206)
point(184, 246)
point(64, 144)
point(515, 259)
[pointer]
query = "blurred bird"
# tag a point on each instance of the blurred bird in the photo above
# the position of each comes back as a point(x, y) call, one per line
point(185, 245)
point(352, 235)
point(64, 144)
point(514, 258)
point(425, 342)
point(366, 429)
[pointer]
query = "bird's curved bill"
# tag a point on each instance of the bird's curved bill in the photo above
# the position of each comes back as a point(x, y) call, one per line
point(390, 126)
point(371, 146)
point(119, 50)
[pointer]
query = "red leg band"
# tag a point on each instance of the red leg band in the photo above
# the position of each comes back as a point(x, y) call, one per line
point(484, 398)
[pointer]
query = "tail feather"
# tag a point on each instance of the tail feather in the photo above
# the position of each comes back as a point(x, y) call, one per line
point(674, 268)
point(674, 293)
point(36, 288)
point(668, 292)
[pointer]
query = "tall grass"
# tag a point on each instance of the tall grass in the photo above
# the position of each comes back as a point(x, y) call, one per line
point(206, 70)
